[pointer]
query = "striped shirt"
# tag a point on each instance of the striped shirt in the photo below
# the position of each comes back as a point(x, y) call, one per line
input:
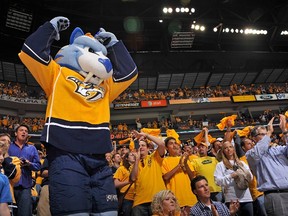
point(200, 209)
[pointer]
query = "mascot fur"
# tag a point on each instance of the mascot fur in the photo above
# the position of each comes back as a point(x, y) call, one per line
point(82, 81)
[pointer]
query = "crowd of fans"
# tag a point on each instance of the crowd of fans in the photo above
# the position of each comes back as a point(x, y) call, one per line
point(23, 91)
point(215, 165)
point(203, 92)
point(206, 160)
point(221, 162)
point(122, 130)
point(8, 123)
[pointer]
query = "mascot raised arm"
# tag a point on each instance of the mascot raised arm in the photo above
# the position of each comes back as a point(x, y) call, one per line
point(80, 83)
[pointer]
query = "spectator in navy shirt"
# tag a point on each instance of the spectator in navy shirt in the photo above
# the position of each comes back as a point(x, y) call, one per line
point(29, 162)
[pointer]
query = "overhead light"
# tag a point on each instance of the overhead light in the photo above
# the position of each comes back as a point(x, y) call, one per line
point(19, 19)
point(255, 31)
point(167, 10)
point(241, 31)
point(285, 32)
point(183, 10)
point(219, 26)
point(197, 27)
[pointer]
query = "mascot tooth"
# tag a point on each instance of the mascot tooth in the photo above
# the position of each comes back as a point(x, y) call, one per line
point(80, 83)
point(88, 77)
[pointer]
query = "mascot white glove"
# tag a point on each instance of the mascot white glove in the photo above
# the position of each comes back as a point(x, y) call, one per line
point(60, 24)
point(108, 39)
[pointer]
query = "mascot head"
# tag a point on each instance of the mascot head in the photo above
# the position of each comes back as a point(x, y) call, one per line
point(87, 56)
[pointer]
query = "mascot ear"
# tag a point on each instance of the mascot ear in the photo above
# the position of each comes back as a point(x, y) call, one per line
point(77, 32)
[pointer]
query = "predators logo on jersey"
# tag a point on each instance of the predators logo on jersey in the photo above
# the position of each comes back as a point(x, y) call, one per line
point(89, 91)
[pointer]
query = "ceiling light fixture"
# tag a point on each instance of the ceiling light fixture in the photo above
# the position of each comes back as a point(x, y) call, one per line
point(183, 10)
point(241, 31)
point(285, 32)
point(198, 27)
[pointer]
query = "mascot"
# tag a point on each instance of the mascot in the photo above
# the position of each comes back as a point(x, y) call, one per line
point(80, 83)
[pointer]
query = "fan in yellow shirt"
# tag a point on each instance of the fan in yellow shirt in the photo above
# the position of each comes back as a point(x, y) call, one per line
point(177, 174)
point(146, 173)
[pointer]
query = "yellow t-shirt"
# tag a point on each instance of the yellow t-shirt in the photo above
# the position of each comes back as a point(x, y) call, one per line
point(123, 175)
point(179, 184)
point(206, 166)
point(149, 180)
point(253, 184)
point(193, 156)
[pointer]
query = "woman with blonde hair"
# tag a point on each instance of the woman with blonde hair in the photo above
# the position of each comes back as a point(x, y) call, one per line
point(234, 176)
point(164, 203)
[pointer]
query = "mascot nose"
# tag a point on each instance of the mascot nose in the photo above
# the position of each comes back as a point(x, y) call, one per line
point(107, 64)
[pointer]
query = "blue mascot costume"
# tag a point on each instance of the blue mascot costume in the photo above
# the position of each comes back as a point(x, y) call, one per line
point(80, 83)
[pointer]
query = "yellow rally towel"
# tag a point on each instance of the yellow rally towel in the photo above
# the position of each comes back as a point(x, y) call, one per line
point(122, 142)
point(174, 134)
point(131, 143)
point(245, 131)
point(201, 138)
point(152, 132)
point(213, 140)
point(223, 121)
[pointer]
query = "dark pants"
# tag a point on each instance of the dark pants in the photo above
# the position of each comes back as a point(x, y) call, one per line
point(24, 201)
point(276, 204)
point(142, 209)
point(126, 207)
point(259, 207)
point(80, 183)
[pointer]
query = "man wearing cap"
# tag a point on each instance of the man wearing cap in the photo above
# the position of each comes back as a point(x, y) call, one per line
point(215, 151)
point(205, 165)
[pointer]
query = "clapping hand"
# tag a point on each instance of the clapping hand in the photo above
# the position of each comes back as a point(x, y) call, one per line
point(234, 207)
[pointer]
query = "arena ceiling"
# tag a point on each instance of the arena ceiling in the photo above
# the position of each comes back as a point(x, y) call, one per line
point(169, 54)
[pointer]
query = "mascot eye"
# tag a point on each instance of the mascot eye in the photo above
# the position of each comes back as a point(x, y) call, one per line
point(91, 50)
